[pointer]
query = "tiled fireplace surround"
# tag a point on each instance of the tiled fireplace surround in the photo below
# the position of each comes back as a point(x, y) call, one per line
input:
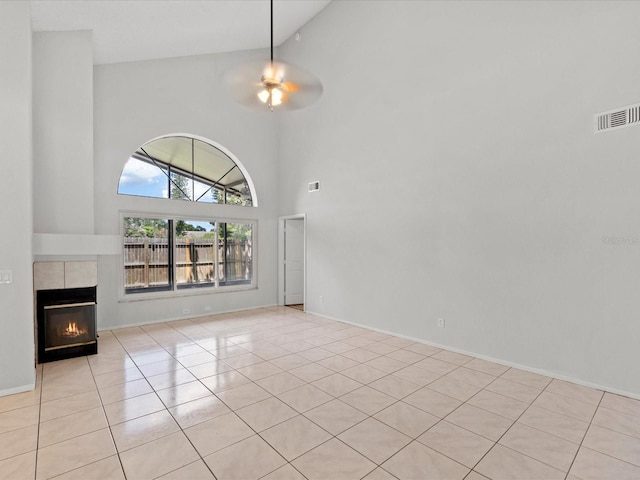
point(58, 275)
point(61, 290)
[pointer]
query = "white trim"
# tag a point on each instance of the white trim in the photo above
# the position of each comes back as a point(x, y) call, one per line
point(281, 223)
point(526, 368)
point(22, 388)
point(176, 319)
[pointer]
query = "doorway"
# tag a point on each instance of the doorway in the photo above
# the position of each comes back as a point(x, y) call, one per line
point(292, 233)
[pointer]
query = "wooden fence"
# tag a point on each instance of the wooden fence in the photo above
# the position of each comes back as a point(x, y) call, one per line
point(147, 262)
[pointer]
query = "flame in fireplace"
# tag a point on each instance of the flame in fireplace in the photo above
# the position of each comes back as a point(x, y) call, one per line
point(72, 330)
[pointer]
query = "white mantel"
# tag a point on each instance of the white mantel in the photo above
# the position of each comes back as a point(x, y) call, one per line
point(70, 244)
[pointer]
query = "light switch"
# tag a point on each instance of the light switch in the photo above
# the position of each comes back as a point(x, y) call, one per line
point(6, 276)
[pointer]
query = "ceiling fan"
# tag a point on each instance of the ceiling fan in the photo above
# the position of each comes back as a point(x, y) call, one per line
point(275, 85)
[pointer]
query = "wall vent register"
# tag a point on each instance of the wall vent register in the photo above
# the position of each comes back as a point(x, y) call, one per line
point(618, 118)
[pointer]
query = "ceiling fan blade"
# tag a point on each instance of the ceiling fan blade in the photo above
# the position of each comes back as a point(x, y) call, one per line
point(300, 87)
point(290, 87)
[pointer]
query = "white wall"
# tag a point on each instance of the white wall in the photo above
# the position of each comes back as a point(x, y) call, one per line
point(460, 178)
point(16, 299)
point(63, 132)
point(138, 101)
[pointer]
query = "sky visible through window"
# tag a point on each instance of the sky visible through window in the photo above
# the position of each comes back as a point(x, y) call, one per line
point(146, 180)
point(142, 178)
point(185, 169)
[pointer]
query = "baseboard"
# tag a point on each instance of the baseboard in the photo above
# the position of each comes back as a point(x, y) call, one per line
point(175, 319)
point(20, 389)
point(526, 368)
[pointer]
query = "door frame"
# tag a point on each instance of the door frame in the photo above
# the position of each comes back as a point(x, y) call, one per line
point(281, 244)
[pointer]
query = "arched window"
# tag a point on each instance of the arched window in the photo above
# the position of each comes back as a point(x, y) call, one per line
point(169, 252)
point(186, 168)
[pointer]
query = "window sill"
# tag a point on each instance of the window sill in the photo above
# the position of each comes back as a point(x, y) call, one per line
point(188, 292)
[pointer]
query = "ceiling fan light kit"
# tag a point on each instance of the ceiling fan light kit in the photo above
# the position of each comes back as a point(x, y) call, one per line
point(281, 85)
point(272, 92)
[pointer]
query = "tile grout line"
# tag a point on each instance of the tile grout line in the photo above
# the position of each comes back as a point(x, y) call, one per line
point(566, 474)
point(443, 419)
point(115, 446)
point(167, 409)
point(368, 416)
point(231, 410)
point(300, 413)
point(97, 390)
point(585, 434)
point(35, 469)
point(505, 432)
point(101, 406)
point(306, 382)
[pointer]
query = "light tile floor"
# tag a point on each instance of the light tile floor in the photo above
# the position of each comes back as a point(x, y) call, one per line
point(277, 394)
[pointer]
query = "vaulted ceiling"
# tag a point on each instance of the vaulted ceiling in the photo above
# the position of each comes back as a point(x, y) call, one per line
point(130, 30)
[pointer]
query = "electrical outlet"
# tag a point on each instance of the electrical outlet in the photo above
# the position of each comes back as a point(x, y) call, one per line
point(207, 308)
point(186, 311)
point(321, 298)
point(441, 323)
point(6, 276)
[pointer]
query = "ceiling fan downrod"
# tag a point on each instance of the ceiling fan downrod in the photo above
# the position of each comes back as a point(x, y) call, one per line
point(271, 95)
point(274, 84)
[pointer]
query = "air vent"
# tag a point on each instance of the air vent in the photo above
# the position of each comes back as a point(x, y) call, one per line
point(618, 118)
point(634, 114)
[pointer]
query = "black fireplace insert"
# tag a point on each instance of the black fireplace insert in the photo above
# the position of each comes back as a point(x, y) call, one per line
point(66, 323)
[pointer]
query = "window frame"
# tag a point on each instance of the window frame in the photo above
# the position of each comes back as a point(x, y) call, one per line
point(190, 175)
point(174, 289)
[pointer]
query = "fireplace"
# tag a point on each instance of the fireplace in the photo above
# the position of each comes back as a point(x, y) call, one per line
point(66, 322)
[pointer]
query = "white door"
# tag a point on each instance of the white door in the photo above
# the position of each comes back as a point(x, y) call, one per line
point(294, 261)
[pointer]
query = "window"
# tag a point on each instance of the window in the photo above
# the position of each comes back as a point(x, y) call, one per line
point(167, 254)
point(186, 168)
point(178, 252)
